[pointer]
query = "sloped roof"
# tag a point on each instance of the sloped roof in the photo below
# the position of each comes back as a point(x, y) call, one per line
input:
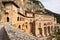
point(6, 2)
point(15, 1)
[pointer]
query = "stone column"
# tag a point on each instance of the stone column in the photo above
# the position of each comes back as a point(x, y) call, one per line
point(36, 29)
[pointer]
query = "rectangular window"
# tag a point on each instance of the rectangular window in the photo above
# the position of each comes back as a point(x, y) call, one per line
point(6, 13)
point(21, 19)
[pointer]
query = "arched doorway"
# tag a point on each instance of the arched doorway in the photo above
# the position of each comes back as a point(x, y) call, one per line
point(49, 30)
point(45, 31)
point(32, 27)
point(19, 27)
point(40, 31)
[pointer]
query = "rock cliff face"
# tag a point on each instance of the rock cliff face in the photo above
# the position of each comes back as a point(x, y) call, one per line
point(33, 6)
point(10, 33)
point(29, 5)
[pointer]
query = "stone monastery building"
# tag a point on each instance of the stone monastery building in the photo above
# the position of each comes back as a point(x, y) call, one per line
point(27, 15)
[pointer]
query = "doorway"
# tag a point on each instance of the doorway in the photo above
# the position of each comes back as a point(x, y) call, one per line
point(40, 31)
point(32, 27)
point(49, 30)
point(45, 31)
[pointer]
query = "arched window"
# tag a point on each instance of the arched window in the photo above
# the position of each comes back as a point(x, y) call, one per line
point(49, 30)
point(7, 19)
point(40, 31)
point(17, 18)
point(45, 31)
point(44, 23)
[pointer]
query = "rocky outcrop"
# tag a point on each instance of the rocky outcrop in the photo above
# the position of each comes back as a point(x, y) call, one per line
point(29, 5)
point(33, 6)
point(14, 34)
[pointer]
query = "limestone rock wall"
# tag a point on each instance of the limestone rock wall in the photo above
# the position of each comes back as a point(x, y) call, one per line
point(33, 6)
point(29, 5)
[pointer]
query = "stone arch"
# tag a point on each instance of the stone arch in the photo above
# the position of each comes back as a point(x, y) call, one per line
point(49, 30)
point(45, 31)
point(40, 31)
point(32, 27)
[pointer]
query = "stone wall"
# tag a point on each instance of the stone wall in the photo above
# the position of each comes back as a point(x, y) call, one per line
point(3, 34)
point(8, 32)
